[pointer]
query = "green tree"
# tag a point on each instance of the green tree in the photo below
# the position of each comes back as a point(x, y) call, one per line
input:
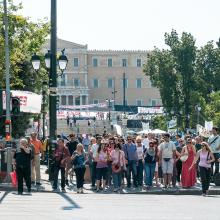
point(172, 71)
point(25, 38)
point(207, 69)
point(212, 109)
point(159, 122)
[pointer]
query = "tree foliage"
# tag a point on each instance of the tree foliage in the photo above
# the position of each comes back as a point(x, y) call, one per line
point(185, 75)
point(25, 38)
point(159, 122)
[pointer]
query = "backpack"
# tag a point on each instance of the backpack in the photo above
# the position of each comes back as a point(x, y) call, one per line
point(148, 158)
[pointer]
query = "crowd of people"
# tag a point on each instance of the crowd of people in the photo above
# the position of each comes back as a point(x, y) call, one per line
point(116, 163)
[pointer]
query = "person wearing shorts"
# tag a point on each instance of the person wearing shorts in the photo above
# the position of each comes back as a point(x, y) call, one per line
point(167, 150)
point(101, 167)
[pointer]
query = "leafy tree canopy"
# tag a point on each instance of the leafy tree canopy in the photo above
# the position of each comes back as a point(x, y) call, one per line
point(25, 38)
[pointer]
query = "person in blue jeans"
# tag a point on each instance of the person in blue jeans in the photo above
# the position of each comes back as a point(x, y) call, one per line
point(130, 150)
point(150, 157)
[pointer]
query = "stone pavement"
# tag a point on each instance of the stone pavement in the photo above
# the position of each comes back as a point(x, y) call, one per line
point(69, 206)
point(47, 187)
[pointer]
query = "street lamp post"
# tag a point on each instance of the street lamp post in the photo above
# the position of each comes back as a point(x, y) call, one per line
point(109, 108)
point(124, 92)
point(113, 92)
point(198, 108)
point(44, 91)
point(51, 64)
point(7, 72)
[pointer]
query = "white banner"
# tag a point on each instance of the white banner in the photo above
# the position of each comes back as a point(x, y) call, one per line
point(72, 107)
point(29, 102)
point(208, 125)
point(150, 110)
point(145, 126)
point(202, 131)
point(172, 123)
point(62, 114)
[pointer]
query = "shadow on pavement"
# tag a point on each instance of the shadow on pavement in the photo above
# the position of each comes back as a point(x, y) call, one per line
point(73, 205)
point(4, 195)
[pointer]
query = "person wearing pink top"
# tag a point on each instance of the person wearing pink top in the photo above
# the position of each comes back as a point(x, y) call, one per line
point(101, 167)
point(118, 165)
point(206, 158)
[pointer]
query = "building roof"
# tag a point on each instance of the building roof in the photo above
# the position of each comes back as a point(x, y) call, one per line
point(65, 44)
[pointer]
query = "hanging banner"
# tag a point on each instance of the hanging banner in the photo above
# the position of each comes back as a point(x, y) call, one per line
point(208, 125)
point(72, 107)
point(145, 126)
point(29, 102)
point(150, 110)
point(172, 123)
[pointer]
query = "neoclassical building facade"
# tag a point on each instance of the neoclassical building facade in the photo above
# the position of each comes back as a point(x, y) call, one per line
point(93, 76)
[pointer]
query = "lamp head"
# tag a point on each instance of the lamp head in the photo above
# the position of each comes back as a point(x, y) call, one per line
point(35, 61)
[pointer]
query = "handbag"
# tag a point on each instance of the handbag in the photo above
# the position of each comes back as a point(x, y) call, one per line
point(116, 168)
point(184, 157)
point(13, 176)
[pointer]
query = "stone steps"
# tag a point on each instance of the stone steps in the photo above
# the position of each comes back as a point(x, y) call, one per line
point(82, 127)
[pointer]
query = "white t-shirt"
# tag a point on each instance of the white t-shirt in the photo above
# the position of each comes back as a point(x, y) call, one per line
point(140, 152)
point(215, 144)
point(145, 142)
point(94, 149)
point(167, 149)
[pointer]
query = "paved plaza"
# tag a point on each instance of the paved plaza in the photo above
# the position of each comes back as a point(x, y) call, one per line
point(59, 206)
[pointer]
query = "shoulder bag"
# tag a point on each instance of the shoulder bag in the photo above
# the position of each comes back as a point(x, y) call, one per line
point(184, 157)
point(116, 168)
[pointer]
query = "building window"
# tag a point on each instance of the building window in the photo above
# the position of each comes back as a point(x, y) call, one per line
point(95, 83)
point(75, 62)
point(139, 102)
point(138, 62)
point(126, 83)
point(138, 83)
point(76, 82)
point(77, 100)
point(124, 62)
point(63, 80)
point(70, 100)
point(83, 100)
point(110, 83)
point(95, 101)
point(63, 100)
point(109, 62)
point(153, 102)
point(94, 62)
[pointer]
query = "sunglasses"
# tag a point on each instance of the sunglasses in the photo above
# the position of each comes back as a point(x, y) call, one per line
point(138, 142)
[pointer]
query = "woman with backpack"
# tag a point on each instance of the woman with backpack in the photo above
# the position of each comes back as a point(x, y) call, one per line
point(150, 159)
point(205, 157)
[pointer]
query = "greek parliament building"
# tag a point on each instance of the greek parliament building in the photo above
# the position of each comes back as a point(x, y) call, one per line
point(94, 76)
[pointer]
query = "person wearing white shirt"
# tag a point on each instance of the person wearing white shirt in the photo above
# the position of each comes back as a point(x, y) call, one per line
point(147, 138)
point(214, 143)
point(93, 153)
point(167, 150)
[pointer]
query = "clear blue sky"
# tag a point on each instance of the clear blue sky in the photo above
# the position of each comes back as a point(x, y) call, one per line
point(129, 24)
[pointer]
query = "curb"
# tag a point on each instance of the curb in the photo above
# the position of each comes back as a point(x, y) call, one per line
point(156, 192)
